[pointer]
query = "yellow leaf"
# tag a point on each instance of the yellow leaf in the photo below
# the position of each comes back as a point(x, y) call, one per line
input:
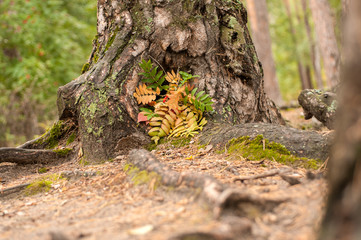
point(190, 157)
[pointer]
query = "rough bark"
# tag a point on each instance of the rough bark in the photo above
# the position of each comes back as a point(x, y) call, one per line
point(325, 33)
point(343, 214)
point(206, 38)
point(321, 104)
point(300, 143)
point(258, 15)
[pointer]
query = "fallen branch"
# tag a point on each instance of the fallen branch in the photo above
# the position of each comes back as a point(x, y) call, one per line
point(29, 156)
point(270, 173)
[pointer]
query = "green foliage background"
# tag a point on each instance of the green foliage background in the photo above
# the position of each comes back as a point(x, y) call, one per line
point(43, 45)
point(284, 50)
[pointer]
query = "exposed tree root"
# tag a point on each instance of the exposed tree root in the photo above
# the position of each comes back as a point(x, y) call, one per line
point(222, 198)
point(30, 156)
point(10, 190)
point(301, 143)
point(230, 206)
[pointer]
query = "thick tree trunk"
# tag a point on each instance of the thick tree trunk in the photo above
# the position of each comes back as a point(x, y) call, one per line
point(258, 14)
point(343, 215)
point(325, 33)
point(206, 38)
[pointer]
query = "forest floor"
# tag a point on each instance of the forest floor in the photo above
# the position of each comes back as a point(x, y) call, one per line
point(104, 202)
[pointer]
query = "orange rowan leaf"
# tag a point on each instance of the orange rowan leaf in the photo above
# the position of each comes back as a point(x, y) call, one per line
point(144, 95)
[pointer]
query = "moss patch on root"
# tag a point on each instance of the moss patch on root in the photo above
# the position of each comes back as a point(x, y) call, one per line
point(261, 148)
point(42, 184)
point(51, 138)
point(138, 177)
point(63, 152)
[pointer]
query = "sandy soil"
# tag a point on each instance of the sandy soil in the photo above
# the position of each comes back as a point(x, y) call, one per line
point(107, 204)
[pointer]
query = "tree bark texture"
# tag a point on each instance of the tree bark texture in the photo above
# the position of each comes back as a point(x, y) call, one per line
point(324, 27)
point(258, 15)
point(343, 214)
point(205, 38)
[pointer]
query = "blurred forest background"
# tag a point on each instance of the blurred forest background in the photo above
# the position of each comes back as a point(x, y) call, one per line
point(44, 44)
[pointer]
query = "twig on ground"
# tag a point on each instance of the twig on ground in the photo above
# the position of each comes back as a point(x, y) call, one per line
point(270, 173)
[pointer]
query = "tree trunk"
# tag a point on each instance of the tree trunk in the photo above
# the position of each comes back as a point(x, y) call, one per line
point(206, 38)
point(343, 214)
point(325, 33)
point(301, 68)
point(258, 14)
point(315, 61)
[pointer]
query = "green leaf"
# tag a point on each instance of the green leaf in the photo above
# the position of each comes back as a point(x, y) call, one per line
point(154, 72)
point(200, 94)
point(161, 80)
point(146, 110)
point(194, 91)
point(204, 97)
point(160, 73)
point(187, 90)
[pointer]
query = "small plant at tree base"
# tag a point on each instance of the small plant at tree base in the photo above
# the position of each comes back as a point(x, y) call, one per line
point(173, 107)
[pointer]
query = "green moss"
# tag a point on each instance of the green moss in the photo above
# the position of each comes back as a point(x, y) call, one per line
point(151, 146)
point(111, 40)
point(43, 184)
point(42, 170)
point(95, 57)
point(180, 142)
point(62, 152)
point(85, 68)
point(142, 177)
point(71, 138)
point(83, 162)
point(52, 136)
point(237, 4)
point(233, 33)
point(260, 148)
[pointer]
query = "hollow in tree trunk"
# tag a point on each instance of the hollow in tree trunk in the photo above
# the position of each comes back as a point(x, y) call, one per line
point(205, 38)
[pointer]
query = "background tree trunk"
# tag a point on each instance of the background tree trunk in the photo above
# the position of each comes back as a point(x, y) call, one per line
point(206, 38)
point(258, 14)
point(325, 33)
point(313, 50)
point(343, 215)
point(304, 76)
